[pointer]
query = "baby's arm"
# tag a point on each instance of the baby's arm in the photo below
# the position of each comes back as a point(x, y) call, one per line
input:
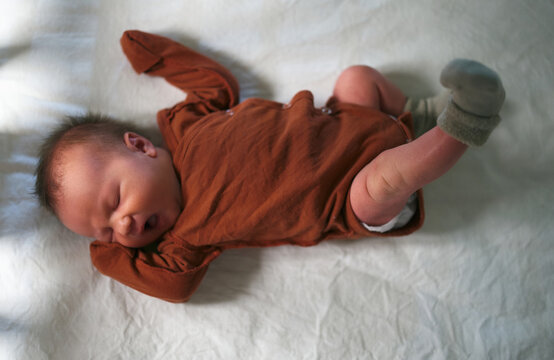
point(199, 76)
point(173, 274)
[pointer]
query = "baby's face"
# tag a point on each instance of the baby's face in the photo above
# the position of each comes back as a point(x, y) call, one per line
point(130, 196)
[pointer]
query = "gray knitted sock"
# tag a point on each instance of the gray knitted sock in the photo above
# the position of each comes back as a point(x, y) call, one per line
point(477, 95)
point(425, 111)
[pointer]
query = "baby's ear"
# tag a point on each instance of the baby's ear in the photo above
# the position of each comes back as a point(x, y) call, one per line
point(136, 142)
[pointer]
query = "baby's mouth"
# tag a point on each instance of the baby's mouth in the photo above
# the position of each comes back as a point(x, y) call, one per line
point(151, 223)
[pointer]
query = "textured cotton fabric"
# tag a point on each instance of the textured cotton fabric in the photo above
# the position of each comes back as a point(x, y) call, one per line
point(254, 174)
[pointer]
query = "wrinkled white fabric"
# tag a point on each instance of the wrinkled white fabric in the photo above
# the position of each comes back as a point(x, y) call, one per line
point(474, 283)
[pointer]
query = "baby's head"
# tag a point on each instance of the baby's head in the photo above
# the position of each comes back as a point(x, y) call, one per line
point(105, 181)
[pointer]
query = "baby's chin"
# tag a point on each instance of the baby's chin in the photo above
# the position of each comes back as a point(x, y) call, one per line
point(157, 225)
point(166, 221)
point(172, 217)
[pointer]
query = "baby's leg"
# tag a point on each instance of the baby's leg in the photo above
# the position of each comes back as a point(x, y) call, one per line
point(380, 190)
point(363, 85)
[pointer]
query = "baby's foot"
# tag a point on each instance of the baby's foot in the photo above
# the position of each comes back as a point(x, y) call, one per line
point(475, 88)
point(477, 95)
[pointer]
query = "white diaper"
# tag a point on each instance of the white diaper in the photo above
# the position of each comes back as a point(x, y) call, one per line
point(399, 220)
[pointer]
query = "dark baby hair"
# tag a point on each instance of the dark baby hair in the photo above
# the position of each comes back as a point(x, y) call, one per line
point(90, 128)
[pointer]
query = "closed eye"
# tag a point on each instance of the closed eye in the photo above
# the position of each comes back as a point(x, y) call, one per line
point(116, 200)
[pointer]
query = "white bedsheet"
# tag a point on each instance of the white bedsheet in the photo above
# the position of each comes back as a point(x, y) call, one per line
point(476, 282)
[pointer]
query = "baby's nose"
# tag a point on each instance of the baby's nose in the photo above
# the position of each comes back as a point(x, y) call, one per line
point(124, 225)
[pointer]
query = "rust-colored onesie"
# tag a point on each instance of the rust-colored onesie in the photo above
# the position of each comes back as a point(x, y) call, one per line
point(253, 174)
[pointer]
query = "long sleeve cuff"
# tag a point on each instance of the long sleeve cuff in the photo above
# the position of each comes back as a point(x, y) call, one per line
point(142, 58)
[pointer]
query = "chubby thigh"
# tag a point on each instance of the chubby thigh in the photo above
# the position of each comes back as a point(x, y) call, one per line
point(377, 194)
point(382, 188)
